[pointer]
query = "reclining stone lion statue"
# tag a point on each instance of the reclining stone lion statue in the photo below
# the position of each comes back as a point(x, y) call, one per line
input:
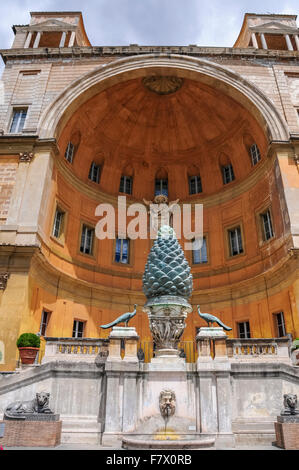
point(21, 409)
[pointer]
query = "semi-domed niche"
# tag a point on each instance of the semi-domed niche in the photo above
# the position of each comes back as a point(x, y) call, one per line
point(153, 124)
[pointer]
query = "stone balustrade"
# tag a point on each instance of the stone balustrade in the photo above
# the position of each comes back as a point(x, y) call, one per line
point(88, 349)
point(75, 349)
point(258, 349)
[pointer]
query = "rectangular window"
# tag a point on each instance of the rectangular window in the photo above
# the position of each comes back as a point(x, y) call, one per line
point(78, 329)
point(267, 225)
point(199, 255)
point(122, 251)
point(69, 153)
point(95, 173)
point(161, 187)
point(18, 120)
point(235, 241)
point(58, 223)
point(87, 237)
point(195, 185)
point(126, 183)
point(244, 329)
point(255, 154)
point(44, 322)
point(280, 324)
point(228, 174)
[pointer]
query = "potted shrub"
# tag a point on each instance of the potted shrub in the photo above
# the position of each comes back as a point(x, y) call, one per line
point(295, 352)
point(28, 345)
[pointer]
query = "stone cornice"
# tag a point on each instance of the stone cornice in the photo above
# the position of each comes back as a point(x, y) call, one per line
point(131, 50)
point(25, 144)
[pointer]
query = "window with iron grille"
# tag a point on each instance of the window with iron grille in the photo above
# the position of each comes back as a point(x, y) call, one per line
point(199, 255)
point(58, 223)
point(94, 172)
point(78, 329)
point(69, 153)
point(122, 250)
point(44, 322)
point(280, 324)
point(255, 154)
point(235, 241)
point(267, 225)
point(244, 329)
point(126, 183)
point(161, 187)
point(87, 237)
point(228, 174)
point(18, 120)
point(195, 186)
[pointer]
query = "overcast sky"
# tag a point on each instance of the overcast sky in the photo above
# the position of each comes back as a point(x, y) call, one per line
point(148, 22)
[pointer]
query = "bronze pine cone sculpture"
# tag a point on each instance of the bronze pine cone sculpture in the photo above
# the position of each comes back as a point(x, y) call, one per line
point(167, 271)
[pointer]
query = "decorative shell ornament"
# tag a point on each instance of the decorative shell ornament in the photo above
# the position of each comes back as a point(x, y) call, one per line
point(167, 271)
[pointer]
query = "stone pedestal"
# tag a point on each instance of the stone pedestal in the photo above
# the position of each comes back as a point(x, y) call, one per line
point(130, 338)
point(287, 432)
point(31, 432)
point(211, 341)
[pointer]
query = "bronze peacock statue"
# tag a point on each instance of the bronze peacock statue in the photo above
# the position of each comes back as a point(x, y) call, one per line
point(124, 318)
point(212, 319)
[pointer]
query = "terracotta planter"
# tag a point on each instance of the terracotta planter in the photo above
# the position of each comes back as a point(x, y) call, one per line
point(28, 355)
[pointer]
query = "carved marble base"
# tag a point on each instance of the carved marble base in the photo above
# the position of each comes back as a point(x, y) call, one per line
point(167, 315)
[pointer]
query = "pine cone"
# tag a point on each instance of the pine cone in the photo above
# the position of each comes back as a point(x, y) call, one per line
point(167, 271)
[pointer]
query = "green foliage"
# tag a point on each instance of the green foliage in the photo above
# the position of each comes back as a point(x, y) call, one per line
point(295, 344)
point(28, 340)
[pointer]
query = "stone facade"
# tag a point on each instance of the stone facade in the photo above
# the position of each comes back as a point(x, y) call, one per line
point(76, 92)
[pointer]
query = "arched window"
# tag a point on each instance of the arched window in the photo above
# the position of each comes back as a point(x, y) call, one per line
point(255, 154)
point(95, 172)
point(226, 169)
point(126, 180)
point(72, 146)
point(194, 180)
point(161, 182)
point(252, 149)
point(126, 184)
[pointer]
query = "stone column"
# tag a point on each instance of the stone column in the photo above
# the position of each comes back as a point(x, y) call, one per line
point(62, 40)
point(289, 43)
point(297, 41)
point(254, 40)
point(28, 40)
point(72, 39)
point(263, 39)
point(37, 40)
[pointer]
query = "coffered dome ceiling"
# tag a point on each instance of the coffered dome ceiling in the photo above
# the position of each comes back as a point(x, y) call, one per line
point(159, 121)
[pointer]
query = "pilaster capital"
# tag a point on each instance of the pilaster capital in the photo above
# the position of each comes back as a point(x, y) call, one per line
point(3, 280)
point(26, 157)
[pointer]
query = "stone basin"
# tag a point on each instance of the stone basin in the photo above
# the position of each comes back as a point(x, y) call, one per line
point(167, 443)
